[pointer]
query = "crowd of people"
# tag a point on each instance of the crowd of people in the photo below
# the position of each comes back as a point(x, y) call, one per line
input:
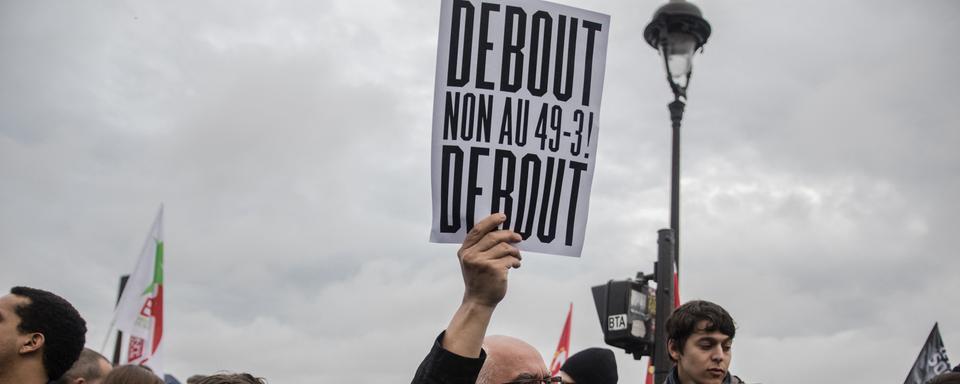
point(42, 337)
point(700, 333)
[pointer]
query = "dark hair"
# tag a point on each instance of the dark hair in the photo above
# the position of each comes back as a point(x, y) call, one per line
point(64, 331)
point(231, 378)
point(683, 322)
point(946, 378)
point(131, 374)
point(87, 367)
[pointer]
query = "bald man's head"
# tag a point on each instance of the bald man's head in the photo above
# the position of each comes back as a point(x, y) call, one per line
point(90, 368)
point(510, 359)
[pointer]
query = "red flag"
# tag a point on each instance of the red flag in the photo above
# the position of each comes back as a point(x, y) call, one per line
point(676, 290)
point(563, 347)
point(649, 371)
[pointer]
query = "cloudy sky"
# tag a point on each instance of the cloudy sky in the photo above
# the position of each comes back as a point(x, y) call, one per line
point(290, 144)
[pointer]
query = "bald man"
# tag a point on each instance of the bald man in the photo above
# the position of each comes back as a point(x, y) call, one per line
point(509, 360)
point(462, 354)
point(90, 368)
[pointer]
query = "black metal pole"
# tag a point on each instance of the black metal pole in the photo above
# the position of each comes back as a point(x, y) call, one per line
point(676, 115)
point(664, 271)
point(116, 345)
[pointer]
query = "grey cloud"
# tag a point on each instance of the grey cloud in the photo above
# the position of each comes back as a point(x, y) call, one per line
point(290, 143)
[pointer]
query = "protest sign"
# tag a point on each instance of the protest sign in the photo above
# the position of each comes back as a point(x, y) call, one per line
point(516, 114)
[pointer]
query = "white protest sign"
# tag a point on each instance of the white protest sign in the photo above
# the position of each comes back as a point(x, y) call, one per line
point(516, 114)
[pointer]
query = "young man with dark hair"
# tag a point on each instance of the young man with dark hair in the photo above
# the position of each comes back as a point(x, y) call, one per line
point(699, 340)
point(946, 378)
point(90, 368)
point(41, 336)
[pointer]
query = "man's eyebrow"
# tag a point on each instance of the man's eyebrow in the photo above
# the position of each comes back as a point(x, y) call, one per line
point(724, 339)
point(524, 376)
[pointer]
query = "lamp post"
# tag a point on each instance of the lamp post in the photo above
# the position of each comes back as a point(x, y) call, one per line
point(677, 31)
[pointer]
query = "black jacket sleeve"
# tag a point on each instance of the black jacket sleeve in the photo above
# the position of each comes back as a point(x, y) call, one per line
point(442, 366)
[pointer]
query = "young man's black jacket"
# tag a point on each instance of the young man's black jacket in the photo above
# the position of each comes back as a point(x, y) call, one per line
point(675, 379)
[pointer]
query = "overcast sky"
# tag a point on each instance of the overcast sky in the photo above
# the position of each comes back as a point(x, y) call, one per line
point(290, 144)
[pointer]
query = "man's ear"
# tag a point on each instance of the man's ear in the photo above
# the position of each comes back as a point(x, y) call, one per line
point(33, 343)
point(79, 380)
point(672, 349)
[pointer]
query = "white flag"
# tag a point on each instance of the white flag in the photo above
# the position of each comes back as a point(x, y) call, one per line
point(139, 313)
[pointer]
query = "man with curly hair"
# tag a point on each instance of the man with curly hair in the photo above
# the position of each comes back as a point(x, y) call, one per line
point(41, 336)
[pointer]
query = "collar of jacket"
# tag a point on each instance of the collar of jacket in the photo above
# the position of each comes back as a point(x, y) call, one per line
point(674, 378)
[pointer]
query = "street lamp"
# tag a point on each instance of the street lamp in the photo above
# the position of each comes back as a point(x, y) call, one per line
point(677, 31)
point(626, 307)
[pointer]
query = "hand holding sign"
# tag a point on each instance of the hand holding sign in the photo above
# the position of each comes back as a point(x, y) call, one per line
point(486, 257)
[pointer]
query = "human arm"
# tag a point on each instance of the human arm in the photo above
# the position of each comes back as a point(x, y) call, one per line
point(486, 257)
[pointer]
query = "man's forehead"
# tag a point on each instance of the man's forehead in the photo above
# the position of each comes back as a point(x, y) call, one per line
point(9, 304)
point(700, 331)
point(709, 335)
point(10, 301)
point(523, 368)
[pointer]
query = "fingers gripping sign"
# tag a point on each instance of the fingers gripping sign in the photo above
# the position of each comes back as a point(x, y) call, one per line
point(486, 256)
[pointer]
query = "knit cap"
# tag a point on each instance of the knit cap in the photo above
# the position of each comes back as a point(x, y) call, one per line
point(592, 366)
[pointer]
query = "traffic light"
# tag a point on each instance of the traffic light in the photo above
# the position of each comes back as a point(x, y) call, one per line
point(628, 309)
point(627, 312)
